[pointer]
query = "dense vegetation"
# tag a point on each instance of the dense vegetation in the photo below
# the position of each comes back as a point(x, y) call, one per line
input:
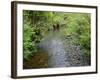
point(39, 24)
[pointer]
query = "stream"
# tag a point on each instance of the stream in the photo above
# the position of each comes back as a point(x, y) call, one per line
point(62, 53)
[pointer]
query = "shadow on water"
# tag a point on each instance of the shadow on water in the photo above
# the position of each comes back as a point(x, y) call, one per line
point(38, 60)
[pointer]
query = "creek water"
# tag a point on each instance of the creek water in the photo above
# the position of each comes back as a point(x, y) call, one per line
point(62, 53)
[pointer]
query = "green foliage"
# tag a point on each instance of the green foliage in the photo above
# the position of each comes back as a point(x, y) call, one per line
point(38, 24)
point(79, 26)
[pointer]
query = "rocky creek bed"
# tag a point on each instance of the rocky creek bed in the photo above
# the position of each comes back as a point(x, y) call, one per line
point(56, 52)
